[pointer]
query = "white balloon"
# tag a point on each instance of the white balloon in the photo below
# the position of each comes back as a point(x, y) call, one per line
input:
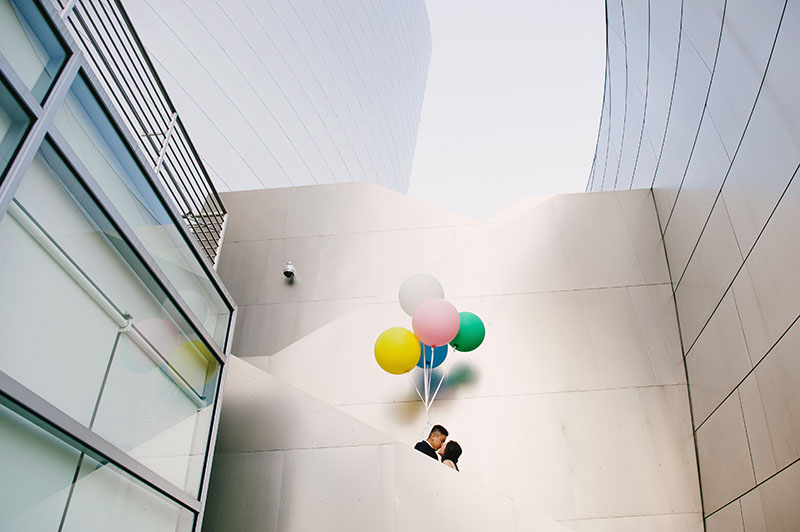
point(418, 288)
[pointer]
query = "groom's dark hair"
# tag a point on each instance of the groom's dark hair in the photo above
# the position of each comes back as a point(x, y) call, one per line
point(440, 429)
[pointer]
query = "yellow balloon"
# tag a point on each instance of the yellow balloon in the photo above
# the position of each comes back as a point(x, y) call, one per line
point(397, 350)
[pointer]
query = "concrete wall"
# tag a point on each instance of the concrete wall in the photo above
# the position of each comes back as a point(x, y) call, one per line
point(351, 244)
point(576, 404)
point(286, 461)
point(712, 127)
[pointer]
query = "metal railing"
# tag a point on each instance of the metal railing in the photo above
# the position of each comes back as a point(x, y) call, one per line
point(105, 33)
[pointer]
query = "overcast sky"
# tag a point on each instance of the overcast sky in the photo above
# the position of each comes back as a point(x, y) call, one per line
point(512, 104)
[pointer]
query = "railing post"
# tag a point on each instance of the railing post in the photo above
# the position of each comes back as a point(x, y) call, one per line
point(139, 95)
point(68, 9)
point(166, 142)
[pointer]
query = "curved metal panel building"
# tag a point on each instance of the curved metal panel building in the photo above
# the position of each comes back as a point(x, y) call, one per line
point(701, 106)
point(285, 93)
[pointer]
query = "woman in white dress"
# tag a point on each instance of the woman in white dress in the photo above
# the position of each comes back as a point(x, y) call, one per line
point(450, 452)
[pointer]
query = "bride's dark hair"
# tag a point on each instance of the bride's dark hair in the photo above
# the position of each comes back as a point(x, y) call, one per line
point(452, 451)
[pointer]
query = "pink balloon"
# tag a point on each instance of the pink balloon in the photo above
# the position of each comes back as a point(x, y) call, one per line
point(436, 322)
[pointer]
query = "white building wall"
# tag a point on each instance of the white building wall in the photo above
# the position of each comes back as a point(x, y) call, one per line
point(576, 403)
point(717, 142)
point(351, 244)
point(285, 93)
point(288, 462)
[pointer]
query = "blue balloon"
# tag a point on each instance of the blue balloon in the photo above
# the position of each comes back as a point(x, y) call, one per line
point(438, 354)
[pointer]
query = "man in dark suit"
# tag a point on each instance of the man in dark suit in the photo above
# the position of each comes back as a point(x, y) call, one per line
point(434, 442)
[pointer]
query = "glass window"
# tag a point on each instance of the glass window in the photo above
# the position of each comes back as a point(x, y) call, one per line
point(47, 478)
point(86, 326)
point(106, 499)
point(28, 42)
point(56, 339)
point(164, 428)
point(93, 137)
point(38, 469)
point(14, 122)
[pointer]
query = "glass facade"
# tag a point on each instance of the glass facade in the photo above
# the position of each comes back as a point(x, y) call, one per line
point(112, 324)
point(65, 254)
point(94, 138)
point(14, 122)
point(60, 485)
point(30, 45)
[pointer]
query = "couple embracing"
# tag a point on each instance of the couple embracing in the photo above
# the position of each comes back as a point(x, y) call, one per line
point(435, 444)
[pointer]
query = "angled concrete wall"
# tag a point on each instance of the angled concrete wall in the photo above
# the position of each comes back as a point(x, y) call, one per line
point(576, 404)
point(351, 244)
point(288, 462)
point(710, 122)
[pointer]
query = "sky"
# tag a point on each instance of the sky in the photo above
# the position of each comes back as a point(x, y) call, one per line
point(512, 103)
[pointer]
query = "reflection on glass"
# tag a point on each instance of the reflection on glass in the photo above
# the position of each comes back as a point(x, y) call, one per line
point(94, 139)
point(107, 500)
point(40, 486)
point(14, 123)
point(165, 427)
point(66, 365)
point(29, 44)
point(38, 469)
point(118, 356)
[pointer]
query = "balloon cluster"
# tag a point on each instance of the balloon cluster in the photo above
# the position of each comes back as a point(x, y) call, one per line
point(435, 322)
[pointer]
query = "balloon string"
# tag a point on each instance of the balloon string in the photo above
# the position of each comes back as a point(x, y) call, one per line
point(430, 374)
point(425, 382)
point(440, 383)
point(416, 389)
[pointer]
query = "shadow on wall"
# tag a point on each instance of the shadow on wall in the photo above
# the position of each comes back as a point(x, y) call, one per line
point(460, 375)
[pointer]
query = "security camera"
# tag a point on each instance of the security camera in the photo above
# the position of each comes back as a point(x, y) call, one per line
point(288, 270)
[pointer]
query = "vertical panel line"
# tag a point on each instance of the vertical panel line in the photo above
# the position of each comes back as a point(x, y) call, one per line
point(646, 96)
point(733, 160)
point(685, 369)
point(71, 491)
point(625, 99)
point(671, 101)
point(702, 114)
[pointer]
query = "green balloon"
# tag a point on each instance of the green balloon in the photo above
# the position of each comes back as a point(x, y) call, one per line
point(471, 332)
